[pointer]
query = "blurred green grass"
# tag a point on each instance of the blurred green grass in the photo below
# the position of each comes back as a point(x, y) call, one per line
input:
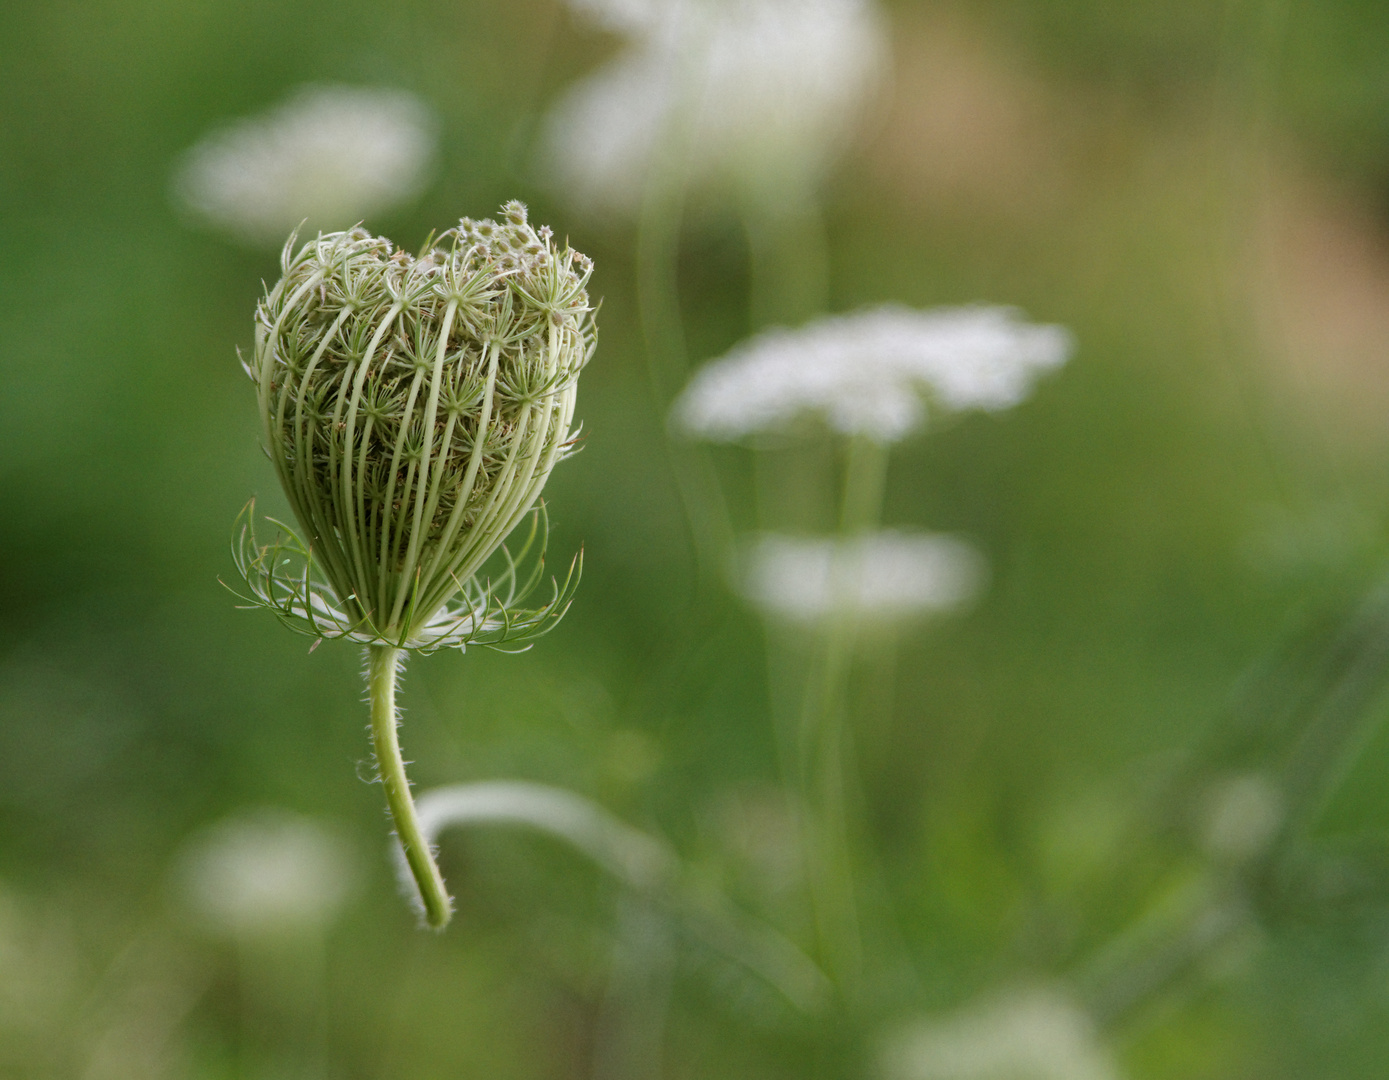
point(1117, 509)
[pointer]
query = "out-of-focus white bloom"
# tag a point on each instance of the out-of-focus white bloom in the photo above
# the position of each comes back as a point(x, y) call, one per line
point(1031, 1035)
point(266, 873)
point(758, 93)
point(866, 373)
point(1244, 813)
point(333, 155)
point(883, 577)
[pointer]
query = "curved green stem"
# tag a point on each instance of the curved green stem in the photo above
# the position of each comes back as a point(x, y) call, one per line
point(383, 668)
point(829, 858)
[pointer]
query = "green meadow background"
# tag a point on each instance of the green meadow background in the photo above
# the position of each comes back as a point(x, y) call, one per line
point(1177, 525)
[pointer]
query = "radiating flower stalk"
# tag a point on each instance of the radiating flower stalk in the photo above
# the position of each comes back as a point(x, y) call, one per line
point(413, 408)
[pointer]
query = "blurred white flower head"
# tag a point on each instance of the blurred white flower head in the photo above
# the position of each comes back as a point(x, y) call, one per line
point(887, 577)
point(333, 155)
point(266, 873)
point(1244, 814)
point(1029, 1035)
point(757, 93)
point(867, 373)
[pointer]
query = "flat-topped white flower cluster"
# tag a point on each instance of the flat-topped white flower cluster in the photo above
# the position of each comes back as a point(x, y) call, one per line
point(872, 373)
point(328, 155)
point(884, 577)
point(733, 91)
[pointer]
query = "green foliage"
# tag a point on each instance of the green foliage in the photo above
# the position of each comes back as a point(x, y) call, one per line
point(1034, 779)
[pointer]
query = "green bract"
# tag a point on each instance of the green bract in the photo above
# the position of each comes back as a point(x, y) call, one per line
point(413, 409)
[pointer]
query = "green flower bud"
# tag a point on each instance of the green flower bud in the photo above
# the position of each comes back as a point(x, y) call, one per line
point(413, 408)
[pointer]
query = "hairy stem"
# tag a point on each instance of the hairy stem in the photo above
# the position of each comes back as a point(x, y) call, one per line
point(383, 669)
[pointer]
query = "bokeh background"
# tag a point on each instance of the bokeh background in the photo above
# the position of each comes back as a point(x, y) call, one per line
point(1181, 527)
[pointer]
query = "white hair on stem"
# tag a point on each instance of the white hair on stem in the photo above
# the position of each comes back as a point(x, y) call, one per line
point(871, 373)
point(887, 577)
point(329, 155)
point(753, 92)
point(640, 862)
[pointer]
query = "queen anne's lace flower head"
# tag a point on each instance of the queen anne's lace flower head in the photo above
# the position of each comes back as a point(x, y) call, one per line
point(889, 577)
point(329, 155)
point(872, 373)
point(413, 409)
point(754, 93)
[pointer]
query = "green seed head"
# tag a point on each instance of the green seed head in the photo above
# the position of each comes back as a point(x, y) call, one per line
point(413, 409)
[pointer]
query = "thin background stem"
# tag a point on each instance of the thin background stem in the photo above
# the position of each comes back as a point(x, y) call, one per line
point(823, 737)
point(667, 362)
point(788, 255)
